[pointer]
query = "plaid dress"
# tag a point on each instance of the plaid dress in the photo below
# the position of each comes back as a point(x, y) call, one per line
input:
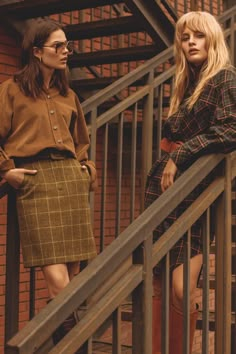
point(209, 127)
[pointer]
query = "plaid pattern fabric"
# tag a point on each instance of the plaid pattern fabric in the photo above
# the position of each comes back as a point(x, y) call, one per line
point(209, 127)
point(54, 213)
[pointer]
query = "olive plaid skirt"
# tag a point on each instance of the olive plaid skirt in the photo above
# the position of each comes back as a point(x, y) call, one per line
point(54, 214)
point(153, 191)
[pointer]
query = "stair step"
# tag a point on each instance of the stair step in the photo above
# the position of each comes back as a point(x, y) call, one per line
point(212, 320)
point(108, 27)
point(126, 315)
point(213, 248)
point(212, 281)
point(37, 8)
point(112, 56)
point(100, 347)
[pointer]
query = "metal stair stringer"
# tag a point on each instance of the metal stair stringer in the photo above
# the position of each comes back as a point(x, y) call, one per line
point(154, 20)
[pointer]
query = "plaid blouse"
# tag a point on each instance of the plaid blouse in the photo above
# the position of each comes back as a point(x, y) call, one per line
point(210, 126)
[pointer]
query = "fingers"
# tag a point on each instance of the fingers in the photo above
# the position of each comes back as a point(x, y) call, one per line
point(29, 172)
point(166, 181)
point(168, 175)
point(15, 176)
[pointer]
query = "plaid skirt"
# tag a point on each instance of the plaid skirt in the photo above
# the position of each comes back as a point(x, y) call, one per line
point(54, 214)
point(153, 191)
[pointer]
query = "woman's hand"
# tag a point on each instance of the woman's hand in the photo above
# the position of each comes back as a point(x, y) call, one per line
point(168, 175)
point(15, 176)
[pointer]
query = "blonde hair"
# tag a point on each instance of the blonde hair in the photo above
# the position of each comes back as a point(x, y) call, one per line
point(218, 56)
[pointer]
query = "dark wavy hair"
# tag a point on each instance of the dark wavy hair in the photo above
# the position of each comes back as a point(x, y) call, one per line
point(30, 77)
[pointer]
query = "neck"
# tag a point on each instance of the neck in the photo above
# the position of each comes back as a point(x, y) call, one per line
point(47, 76)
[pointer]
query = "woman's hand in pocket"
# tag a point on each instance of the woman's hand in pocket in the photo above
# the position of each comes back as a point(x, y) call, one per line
point(15, 176)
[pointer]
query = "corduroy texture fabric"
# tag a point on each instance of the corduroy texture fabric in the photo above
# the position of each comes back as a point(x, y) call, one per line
point(54, 213)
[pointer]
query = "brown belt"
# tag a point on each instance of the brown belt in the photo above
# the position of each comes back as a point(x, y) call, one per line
point(170, 146)
point(47, 154)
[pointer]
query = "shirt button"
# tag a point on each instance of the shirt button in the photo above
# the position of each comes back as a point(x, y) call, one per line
point(51, 111)
point(48, 96)
point(55, 127)
point(59, 141)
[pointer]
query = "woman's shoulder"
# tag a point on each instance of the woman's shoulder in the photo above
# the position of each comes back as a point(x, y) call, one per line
point(224, 76)
point(10, 86)
point(71, 94)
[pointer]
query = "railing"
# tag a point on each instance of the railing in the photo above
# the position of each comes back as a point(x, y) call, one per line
point(124, 267)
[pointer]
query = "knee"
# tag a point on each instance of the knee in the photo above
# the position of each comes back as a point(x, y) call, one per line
point(56, 281)
point(178, 296)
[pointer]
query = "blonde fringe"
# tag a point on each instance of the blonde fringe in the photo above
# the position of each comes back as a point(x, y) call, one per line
point(218, 56)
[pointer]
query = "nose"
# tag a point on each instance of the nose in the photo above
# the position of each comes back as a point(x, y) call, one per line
point(191, 39)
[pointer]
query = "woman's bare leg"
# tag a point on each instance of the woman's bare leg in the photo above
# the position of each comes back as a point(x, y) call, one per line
point(178, 284)
point(73, 269)
point(176, 309)
point(56, 277)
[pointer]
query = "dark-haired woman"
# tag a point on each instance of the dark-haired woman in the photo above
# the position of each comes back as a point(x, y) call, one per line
point(43, 155)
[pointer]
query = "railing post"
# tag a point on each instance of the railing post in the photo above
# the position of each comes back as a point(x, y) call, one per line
point(142, 302)
point(223, 266)
point(92, 152)
point(12, 270)
point(147, 133)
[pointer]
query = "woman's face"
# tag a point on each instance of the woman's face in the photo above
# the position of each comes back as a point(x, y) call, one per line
point(54, 53)
point(194, 47)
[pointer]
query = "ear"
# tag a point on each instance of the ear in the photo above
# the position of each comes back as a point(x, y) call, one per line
point(37, 52)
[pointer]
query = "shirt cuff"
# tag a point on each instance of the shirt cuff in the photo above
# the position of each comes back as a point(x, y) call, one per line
point(6, 165)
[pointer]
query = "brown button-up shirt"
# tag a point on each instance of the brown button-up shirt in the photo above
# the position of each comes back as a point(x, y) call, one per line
point(29, 125)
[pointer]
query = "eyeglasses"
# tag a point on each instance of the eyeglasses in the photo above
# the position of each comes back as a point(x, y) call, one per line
point(60, 46)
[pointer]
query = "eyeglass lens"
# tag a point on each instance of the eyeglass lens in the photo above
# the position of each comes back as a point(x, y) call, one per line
point(62, 45)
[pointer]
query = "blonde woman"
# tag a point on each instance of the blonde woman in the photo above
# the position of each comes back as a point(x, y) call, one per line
point(202, 120)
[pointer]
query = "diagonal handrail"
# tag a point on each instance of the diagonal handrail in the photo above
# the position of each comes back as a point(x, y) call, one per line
point(122, 83)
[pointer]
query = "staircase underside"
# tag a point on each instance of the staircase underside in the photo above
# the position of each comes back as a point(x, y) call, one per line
point(29, 9)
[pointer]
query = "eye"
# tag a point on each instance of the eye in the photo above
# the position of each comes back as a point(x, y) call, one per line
point(184, 38)
point(59, 45)
point(200, 35)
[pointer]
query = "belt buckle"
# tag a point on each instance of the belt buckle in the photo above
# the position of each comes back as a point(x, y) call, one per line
point(56, 156)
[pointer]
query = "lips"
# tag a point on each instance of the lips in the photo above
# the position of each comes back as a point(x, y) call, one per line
point(193, 51)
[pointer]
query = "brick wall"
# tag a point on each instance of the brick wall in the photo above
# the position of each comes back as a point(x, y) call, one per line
point(9, 59)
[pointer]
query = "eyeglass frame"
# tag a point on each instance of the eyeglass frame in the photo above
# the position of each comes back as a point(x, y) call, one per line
point(60, 45)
